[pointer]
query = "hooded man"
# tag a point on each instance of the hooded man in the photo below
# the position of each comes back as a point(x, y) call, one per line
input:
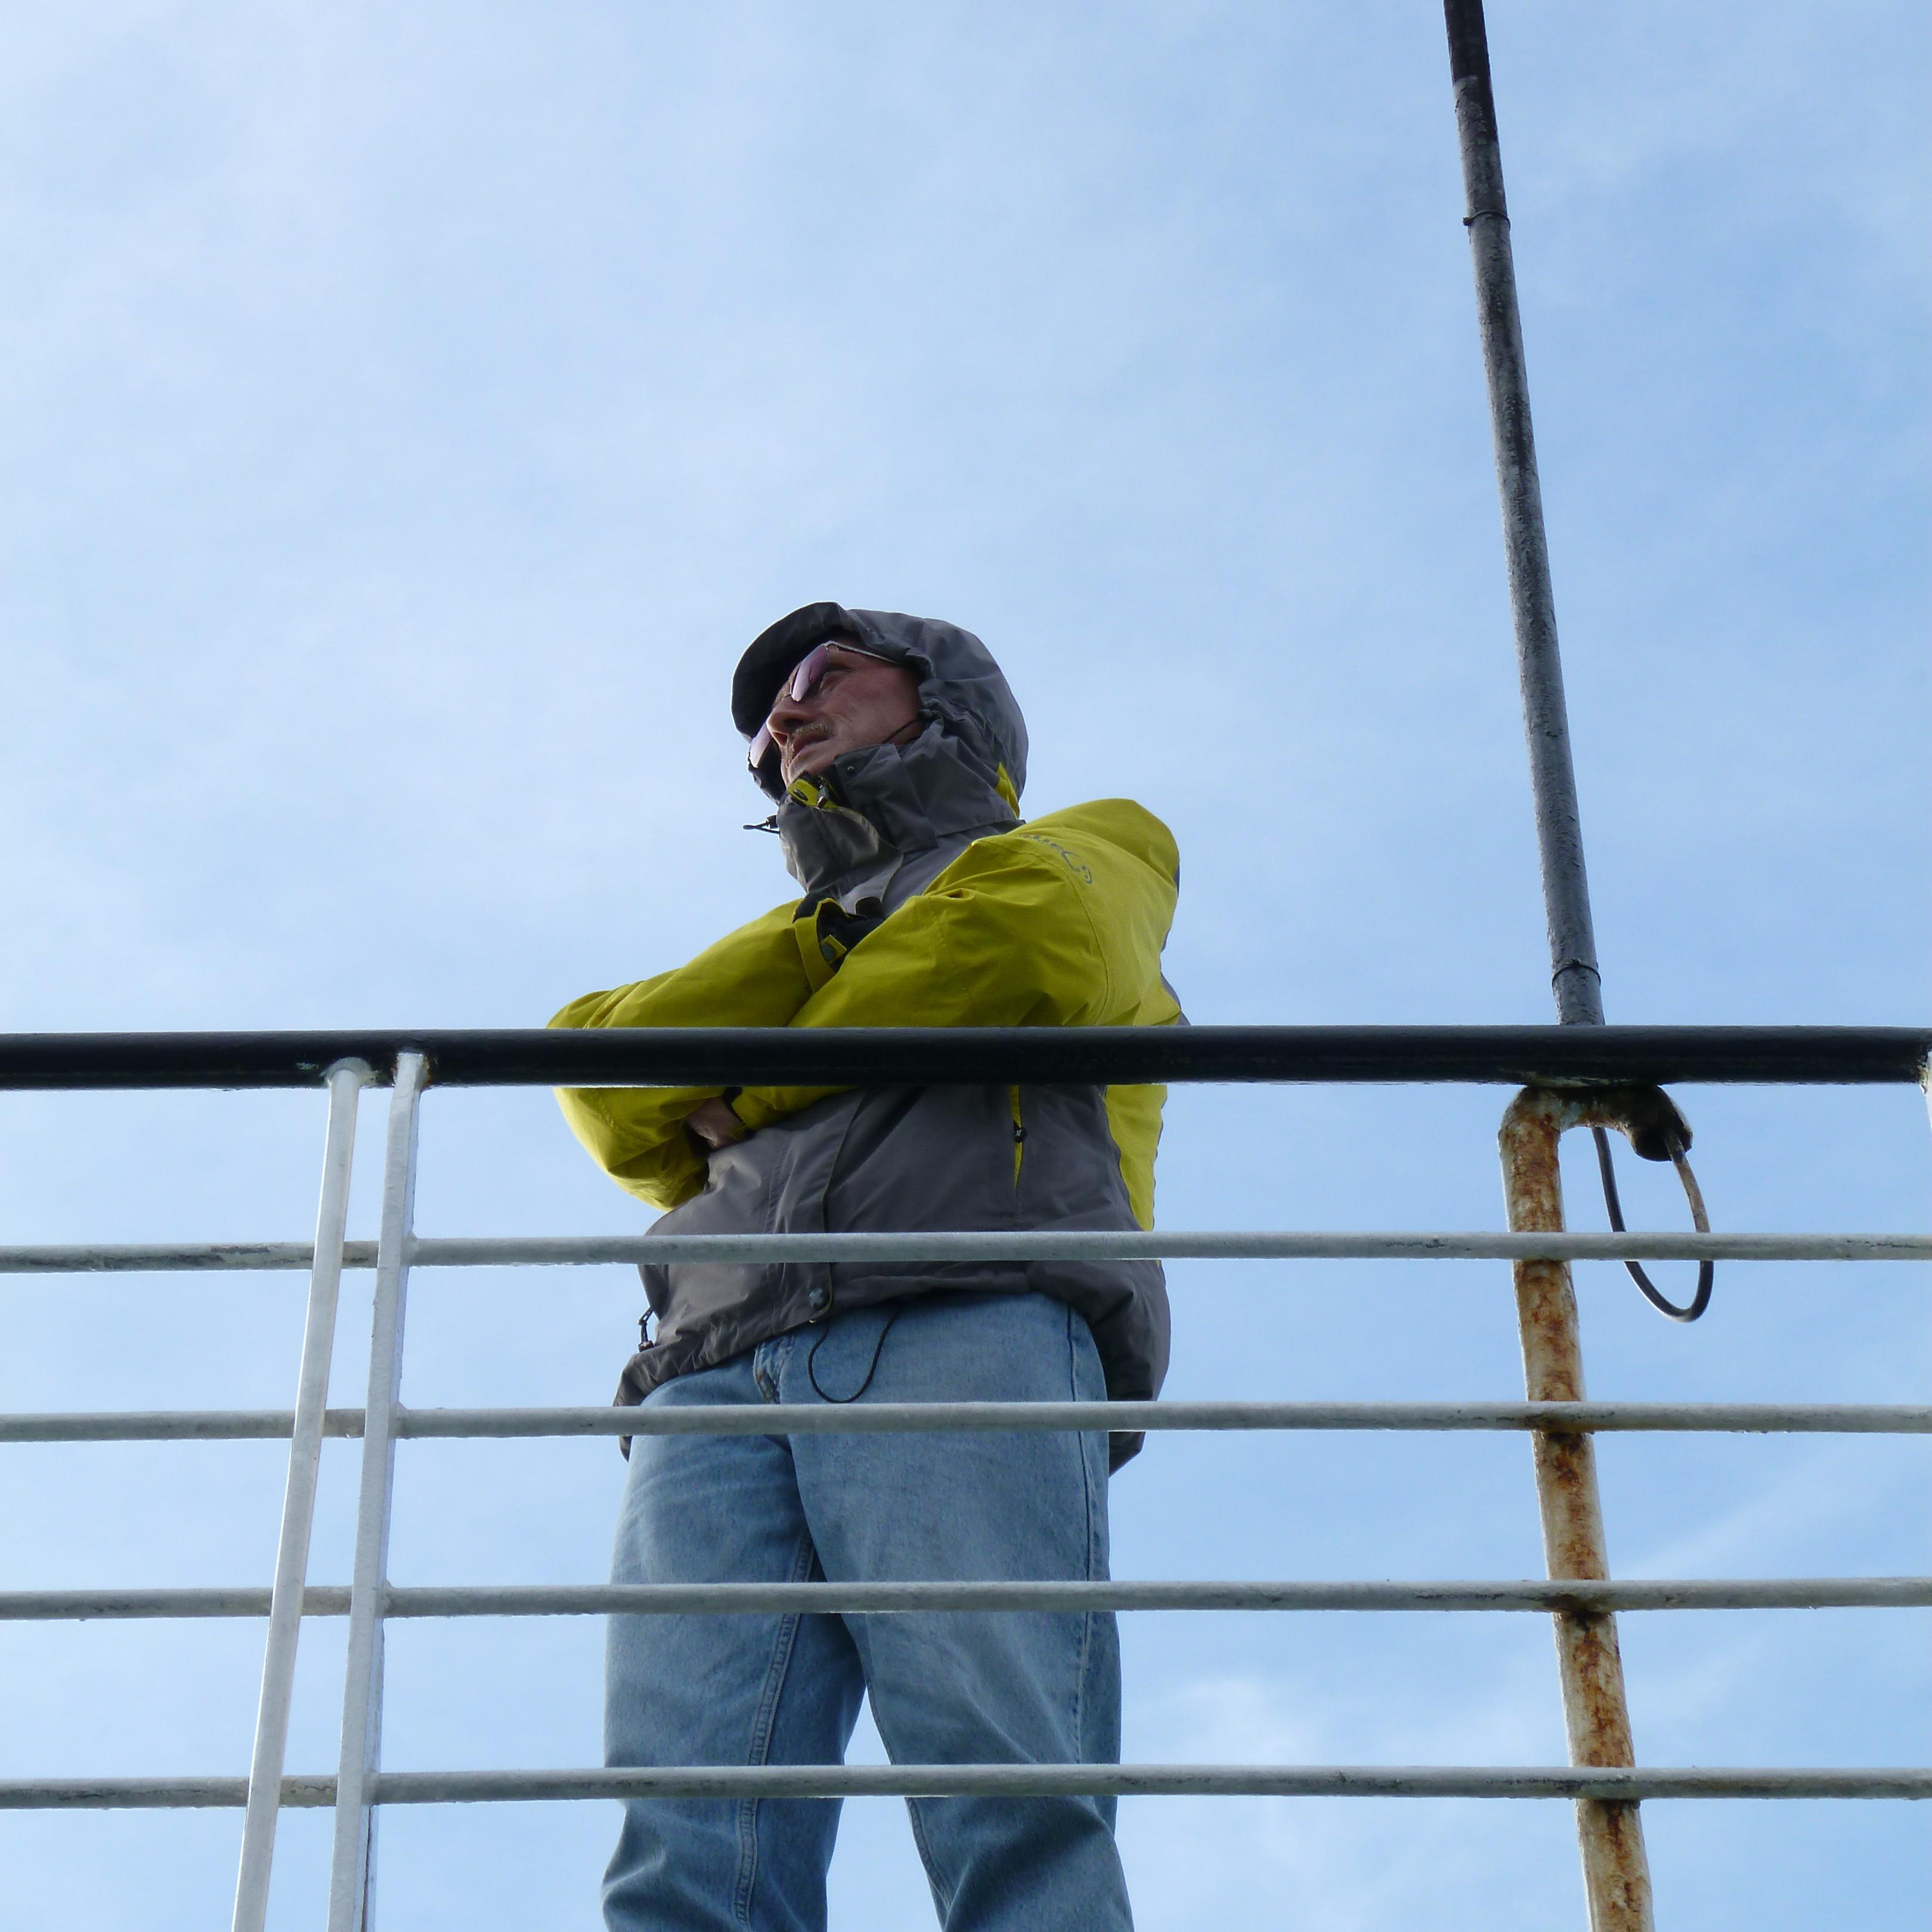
point(896, 755)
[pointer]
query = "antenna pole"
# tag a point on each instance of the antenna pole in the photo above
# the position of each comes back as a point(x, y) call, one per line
point(1616, 1876)
point(1574, 978)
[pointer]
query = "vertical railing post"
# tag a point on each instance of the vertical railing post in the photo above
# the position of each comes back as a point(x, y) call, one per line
point(1610, 1832)
point(352, 1875)
point(346, 1079)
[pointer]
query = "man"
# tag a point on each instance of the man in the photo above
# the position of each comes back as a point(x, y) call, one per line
point(894, 753)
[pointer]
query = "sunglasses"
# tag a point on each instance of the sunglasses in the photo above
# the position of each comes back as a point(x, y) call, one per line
point(803, 682)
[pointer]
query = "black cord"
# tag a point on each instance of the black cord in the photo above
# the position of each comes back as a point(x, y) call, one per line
point(1706, 1270)
point(811, 1371)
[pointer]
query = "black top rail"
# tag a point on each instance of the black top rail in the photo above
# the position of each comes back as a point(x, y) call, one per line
point(879, 1056)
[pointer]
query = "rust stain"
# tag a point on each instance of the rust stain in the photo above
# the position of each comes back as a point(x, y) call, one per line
point(1596, 1715)
point(1616, 1872)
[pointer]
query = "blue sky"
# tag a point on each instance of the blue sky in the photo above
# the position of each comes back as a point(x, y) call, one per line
point(412, 413)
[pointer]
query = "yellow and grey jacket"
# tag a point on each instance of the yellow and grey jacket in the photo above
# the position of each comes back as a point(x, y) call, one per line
point(927, 902)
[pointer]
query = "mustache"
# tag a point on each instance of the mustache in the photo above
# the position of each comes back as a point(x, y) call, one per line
point(801, 742)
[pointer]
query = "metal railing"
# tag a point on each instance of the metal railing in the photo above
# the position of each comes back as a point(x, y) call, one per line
point(1574, 1076)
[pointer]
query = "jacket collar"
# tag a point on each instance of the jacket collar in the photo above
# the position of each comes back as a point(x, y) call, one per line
point(853, 824)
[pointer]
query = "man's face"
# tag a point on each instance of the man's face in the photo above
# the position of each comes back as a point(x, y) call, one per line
point(859, 701)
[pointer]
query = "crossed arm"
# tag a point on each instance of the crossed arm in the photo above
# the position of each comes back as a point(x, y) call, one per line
point(1018, 931)
point(751, 977)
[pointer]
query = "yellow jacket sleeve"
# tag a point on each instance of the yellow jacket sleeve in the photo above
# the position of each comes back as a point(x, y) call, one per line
point(1058, 923)
point(751, 977)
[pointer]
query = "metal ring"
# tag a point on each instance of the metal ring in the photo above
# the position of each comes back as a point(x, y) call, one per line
point(1706, 1271)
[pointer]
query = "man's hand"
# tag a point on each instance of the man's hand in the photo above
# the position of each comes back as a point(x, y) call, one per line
point(714, 1126)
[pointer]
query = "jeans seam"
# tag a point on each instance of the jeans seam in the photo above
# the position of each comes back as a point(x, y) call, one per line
point(804, 1560)
point(1079, 1712)
point(944, 1890)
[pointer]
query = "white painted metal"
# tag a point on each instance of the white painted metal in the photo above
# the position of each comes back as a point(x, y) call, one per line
point(346, 1079)
point(1010, 1780)
point(1756, 1418)
point(574, 1599)
point(171, 1257)
point(1178, 1781)
point(890, 1418)
point(1038, 1244)
point(1788, 1593)
point(352, 1870)
point(1046, 1244)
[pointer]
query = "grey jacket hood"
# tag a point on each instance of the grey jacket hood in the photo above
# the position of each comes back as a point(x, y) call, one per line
point(960, 778)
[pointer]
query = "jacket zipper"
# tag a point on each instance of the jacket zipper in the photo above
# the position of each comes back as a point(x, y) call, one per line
point(1019, 1133)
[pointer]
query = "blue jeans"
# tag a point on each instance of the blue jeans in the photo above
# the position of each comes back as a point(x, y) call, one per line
point(946, 1687)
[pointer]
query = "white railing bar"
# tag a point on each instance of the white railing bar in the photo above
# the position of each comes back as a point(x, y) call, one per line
point(243, 1599)
point(172, 1257)
point(1011, 1780)
point(548, 1600)
point(346, 1081)
point(1048, 1244)
point(166, 1425)
point(863, 1599)
point(1760, 1418)
point(353, 1865)
point(895, 1418)
point(1042, 1244)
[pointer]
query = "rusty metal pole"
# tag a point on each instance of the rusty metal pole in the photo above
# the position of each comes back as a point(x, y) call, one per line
point(1616, 1876)
point(1616, 1873)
